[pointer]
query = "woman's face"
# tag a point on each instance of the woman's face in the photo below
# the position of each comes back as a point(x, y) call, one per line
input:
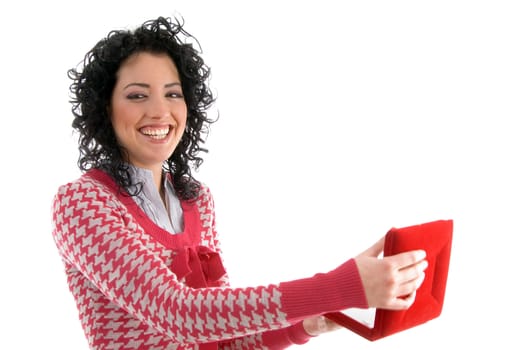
point(148, 111)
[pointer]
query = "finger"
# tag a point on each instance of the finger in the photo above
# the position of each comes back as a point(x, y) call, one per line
point(409, 299)
point(403, 303)
point(420, 280)
point(330, 325)
point(376, 249)
point(413, 272)
point(410, 287)
point(321, 324)
point(406, 259)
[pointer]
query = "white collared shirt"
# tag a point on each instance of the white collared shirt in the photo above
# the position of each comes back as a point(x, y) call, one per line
point(170, 217)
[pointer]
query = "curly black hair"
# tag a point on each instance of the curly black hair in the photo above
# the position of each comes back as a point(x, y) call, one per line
point(93, 84)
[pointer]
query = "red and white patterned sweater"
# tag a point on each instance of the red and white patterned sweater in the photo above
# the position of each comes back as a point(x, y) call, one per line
point(139, 287)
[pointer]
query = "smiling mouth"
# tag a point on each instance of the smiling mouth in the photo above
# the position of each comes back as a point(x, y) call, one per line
point(157, 134)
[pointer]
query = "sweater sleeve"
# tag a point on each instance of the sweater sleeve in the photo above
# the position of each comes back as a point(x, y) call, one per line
point(94, 234)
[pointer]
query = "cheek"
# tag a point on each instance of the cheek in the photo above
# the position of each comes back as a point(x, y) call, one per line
point(181, 127)
point(182, 115)
point(121, 127)
point(123, 117)
point(119, 132)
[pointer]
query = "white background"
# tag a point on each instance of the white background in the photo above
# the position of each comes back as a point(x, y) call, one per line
point(338, 121)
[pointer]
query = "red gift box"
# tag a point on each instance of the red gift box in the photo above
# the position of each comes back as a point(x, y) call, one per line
point(435, 238)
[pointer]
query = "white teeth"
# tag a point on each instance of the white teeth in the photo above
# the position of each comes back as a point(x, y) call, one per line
point(156, 133)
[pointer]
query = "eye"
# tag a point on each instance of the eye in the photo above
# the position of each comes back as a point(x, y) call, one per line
point(135, 96)
point(174, 94)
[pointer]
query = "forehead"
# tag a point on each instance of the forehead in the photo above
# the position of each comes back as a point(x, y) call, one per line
point(148, 66)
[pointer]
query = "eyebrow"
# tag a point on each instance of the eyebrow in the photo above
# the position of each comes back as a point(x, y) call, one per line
point(144, 85)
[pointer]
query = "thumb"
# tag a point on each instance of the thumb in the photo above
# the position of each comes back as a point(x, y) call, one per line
point(375, 250)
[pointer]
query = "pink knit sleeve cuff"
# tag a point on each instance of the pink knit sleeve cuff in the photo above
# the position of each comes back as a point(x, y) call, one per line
point(336, 290)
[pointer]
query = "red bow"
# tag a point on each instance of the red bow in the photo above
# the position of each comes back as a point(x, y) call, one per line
point(200, 266)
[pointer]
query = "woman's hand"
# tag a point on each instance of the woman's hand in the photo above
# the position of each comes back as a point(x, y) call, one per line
point(315, 326)
point(391, 282)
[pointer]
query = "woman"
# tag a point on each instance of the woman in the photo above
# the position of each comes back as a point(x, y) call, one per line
point(136, 231)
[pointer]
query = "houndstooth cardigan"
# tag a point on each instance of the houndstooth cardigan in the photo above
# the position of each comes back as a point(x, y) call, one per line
point(137, 286)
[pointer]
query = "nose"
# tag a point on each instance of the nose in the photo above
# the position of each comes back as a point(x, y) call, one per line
point(158, 107)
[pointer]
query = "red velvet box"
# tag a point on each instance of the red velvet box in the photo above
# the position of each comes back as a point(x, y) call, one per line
point(435, 238)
